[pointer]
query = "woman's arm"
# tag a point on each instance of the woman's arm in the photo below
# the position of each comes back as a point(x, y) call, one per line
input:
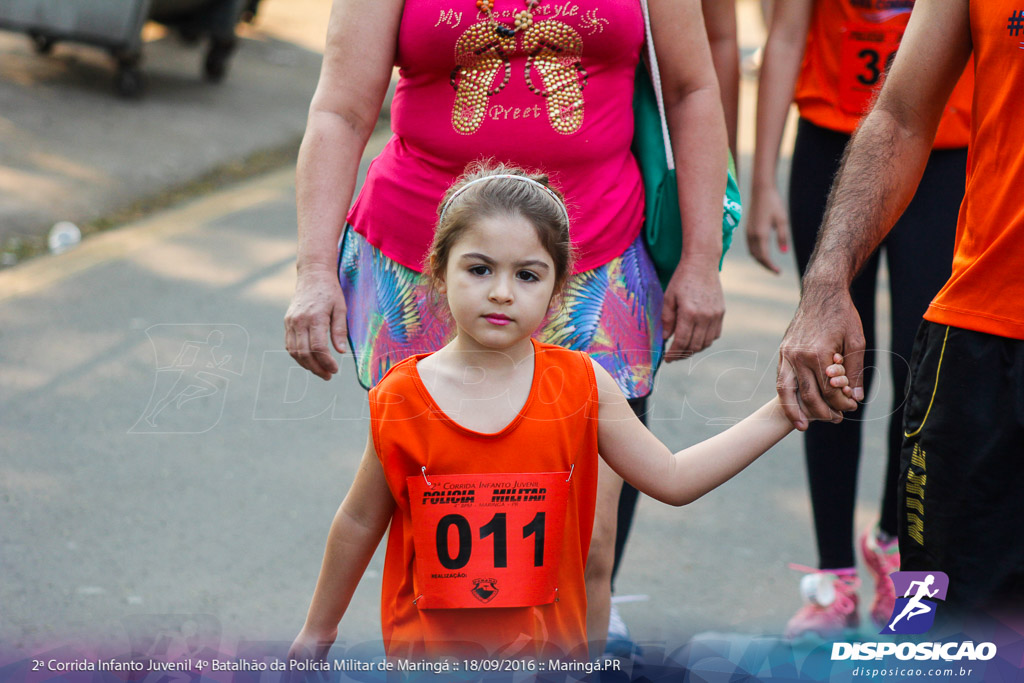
point(720, 20)
point(358, 60)
point(694, 303)
point(783, 53)
point(355, 533)
point(644, 461)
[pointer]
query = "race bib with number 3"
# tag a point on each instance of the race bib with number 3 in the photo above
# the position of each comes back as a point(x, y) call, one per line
point(487, 540)
point(866, 54)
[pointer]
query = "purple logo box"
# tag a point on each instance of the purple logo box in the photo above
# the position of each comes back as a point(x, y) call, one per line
point(917, 594)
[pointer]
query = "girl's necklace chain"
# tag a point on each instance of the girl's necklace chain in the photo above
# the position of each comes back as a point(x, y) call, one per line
point(523, 19)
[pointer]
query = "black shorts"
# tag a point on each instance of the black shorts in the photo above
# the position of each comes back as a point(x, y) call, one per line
point(962, 467)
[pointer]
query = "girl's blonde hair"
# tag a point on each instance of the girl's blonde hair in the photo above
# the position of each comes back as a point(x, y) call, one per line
point(486, 190)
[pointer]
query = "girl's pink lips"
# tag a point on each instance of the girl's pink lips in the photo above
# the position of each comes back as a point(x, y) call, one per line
point(497, 319)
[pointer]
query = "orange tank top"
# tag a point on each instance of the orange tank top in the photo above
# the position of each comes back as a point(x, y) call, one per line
point(986, 290)
point(849, 46)
point(474, 566)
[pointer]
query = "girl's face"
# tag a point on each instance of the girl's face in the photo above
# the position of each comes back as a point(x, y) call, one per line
point(499, 281)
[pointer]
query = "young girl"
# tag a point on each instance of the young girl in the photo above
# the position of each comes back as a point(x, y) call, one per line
point(483, 456)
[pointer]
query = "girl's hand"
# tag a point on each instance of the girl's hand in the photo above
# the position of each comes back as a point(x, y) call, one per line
point(767, 216)
point(836, 374)
point(311, 646)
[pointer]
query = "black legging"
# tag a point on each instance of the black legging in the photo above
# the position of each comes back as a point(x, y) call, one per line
point(627, 498)
point(919, 254)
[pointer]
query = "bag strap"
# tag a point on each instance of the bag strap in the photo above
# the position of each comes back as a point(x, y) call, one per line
point(656, 80)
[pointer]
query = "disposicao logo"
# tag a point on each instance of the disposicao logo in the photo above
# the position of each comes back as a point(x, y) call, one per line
point(914, 612)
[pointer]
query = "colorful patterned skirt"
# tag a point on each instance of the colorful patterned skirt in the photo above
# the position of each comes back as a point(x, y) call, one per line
point(612, 312)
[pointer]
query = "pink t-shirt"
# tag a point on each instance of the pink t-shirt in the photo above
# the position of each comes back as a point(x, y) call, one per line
point(556, 97)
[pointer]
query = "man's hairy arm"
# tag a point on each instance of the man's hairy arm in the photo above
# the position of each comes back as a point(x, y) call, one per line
point(879, 174)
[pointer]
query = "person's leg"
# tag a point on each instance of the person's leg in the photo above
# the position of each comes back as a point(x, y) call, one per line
point(831, 451)
point(627, 311)
point(619, 640)
point(598, 574)
point(919, 251)
point(960, 505)
point(628, 498)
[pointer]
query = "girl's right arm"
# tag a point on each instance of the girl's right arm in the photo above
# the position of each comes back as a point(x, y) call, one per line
point(358, 59)
point(783, 53)
point(355, 533)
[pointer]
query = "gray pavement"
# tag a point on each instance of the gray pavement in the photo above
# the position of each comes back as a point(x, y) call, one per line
point(71, 149)
point(166, 467)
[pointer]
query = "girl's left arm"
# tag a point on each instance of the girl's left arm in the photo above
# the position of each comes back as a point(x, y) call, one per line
point(644, 461)
point(694, 302)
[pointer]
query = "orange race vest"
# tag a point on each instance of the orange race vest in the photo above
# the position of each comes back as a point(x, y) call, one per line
point(489, 539)
point(986, 290)
point(849, 47)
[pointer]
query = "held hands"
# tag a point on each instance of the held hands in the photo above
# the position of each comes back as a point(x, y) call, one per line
point(767, 215)
point(693, 309)
point(316, 314)
point(826, 326)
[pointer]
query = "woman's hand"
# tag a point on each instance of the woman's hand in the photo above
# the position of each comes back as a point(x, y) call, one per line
point(694, 303)
point(359, 54)
point(767, 216)
point(316, 315)
point(693, 309)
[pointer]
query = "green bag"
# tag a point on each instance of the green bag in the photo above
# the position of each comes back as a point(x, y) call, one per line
point(662, 230)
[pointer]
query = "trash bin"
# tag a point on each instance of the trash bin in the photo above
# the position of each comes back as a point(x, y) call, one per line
point(116, 25)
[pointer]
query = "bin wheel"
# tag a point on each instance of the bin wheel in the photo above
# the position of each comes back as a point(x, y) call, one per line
point(129, 82)
point(216, 65)
point(42, 44)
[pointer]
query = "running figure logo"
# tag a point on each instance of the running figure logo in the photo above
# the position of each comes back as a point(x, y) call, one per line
point(194, 366)
point(915, 612)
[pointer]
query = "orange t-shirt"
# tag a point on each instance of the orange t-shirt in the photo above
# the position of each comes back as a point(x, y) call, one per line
point(554, 432)
point(986, 290)
point(849, 44)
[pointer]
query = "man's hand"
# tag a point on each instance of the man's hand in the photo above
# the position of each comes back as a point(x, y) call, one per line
point(693, 309)
point(316, 315)
point(826, 323)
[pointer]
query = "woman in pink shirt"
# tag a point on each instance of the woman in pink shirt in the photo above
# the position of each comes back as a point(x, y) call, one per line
point(540, 83)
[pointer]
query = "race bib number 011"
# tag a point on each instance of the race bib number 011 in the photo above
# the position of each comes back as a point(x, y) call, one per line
point(867, 53)
point(487, 540)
